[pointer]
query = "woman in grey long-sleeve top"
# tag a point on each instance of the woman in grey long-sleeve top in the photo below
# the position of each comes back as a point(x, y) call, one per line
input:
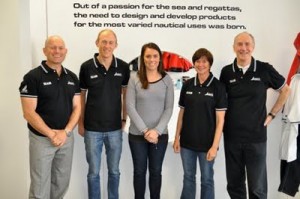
point(149, 102)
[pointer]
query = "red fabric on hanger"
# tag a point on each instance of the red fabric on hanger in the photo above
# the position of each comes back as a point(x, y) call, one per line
point(175, 63)
point(296, 63)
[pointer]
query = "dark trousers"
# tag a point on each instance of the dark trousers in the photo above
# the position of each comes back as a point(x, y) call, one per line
point(246, 161)
point(289, 177)
point(144, 154)
point(290, 174)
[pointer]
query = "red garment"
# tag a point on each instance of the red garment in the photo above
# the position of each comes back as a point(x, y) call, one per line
point(171, 62)
point(296, 63)
point(175, 63)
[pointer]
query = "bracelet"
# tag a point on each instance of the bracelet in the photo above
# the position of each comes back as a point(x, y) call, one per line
point(123, 120)
point(272, 115)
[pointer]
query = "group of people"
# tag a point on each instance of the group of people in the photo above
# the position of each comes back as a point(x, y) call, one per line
point(54, 100)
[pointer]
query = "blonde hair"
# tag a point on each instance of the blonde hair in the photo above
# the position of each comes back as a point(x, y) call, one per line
point(106, 30)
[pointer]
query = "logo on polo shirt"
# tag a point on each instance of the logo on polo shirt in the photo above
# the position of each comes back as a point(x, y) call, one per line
point(47, 83)
point(255, 79)
point(232, 80)
point(209, 94)
point(118, 74)
point(71, 83)
point(93, 76)
point(189, 92)
point(24, 89)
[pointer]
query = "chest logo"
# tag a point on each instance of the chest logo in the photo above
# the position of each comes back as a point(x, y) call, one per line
point(232, 80)
point(118, 74)
point(94, 76)
point(189, 92)
point(71, 83)
point(255, 79)
point(209, 94)
point(47, 83)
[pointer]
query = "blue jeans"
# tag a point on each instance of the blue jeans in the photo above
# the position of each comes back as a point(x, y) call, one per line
point(144, 153)
point(189, 163)
point(246, 159)
point(113, 146)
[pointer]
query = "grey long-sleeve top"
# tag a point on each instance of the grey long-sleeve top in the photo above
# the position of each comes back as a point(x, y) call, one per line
point(149, 108)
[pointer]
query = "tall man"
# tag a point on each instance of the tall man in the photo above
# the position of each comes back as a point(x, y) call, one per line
point(246, 120)
point(103, 81)
point(50, 97)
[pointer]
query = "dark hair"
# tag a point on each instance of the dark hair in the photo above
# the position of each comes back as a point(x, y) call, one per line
point(142, 73)
point(203, 52)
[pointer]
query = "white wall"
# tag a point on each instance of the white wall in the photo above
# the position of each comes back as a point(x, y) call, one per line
point(275, 30)
point(14, 61)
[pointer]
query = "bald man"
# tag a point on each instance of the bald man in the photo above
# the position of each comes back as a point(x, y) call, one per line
point(246, 120)
point(50, 98)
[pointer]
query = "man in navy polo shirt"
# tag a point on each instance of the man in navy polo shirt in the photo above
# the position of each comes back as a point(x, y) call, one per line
point(246, 120)
point(50, 97)
point(103, 81)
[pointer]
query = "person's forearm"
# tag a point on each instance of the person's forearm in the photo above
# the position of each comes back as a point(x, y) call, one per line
point(283, 96)
point(179, 123)
point(124, 111)
point(82, 103)
point(38, 124)
point(131, 107)
point(167, 114)
point(75, 114)
point(219, 128)
point(33, 118)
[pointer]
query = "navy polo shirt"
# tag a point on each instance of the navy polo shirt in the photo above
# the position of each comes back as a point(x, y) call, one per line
point(247, 93)
point(200, 103)
point(54, 94)
point(104, 89)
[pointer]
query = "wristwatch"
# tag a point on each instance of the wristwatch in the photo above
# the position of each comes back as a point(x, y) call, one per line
point(272, 115)
point(68, 133)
